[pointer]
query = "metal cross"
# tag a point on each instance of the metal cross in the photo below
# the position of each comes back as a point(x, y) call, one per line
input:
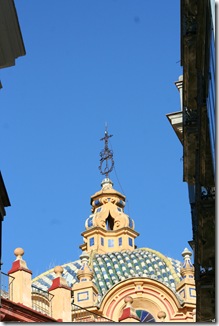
point(106, 155)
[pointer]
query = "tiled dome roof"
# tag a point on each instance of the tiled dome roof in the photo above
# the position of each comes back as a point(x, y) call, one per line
point(112, 268)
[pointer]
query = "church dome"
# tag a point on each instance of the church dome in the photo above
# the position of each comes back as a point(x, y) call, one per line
point(111, 254)
point(112, 268)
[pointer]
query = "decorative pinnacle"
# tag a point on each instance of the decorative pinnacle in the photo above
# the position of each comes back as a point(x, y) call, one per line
point(106, 155)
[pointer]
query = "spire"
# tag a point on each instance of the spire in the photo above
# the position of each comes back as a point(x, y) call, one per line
point(85, 292)
point(186, 287)
point(106, 156)
point(108, 227)
point(85, 273)
point(187, 268)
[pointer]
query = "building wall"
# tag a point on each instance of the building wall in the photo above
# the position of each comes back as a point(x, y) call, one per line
point(198, 61)
point(211, 104)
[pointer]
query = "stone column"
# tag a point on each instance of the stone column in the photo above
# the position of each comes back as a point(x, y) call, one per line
point(179, 85)
point(20, 283)
point(61, 302)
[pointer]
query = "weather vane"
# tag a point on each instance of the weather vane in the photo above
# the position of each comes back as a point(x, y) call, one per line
point(106, 161)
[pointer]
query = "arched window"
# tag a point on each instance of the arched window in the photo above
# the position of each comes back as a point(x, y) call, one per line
point(109, 223)
point(145, 316)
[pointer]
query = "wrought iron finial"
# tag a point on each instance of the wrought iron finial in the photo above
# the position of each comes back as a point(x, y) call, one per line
point(106, 156)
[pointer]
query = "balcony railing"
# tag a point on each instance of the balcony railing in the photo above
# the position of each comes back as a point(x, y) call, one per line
point(42, 300)
point(83, 315)
point(6, 283)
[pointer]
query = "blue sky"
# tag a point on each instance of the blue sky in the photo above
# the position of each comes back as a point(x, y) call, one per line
point(88, 63)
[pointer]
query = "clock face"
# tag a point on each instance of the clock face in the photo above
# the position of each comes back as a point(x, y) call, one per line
point(145, 316)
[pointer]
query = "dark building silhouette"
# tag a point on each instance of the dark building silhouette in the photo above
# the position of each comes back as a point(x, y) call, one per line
point(195, 128)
